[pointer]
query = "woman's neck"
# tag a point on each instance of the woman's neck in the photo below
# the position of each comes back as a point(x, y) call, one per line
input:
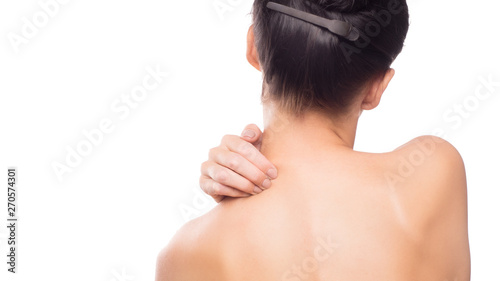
point(290, 137)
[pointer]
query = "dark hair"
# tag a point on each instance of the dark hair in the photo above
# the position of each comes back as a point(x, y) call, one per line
point(308, 67)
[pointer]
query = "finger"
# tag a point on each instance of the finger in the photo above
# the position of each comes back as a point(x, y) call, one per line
point(218, 190)
point(206, 185)
point(253, 134)
point(251, 153)
point(226, 177)
point(218, 198)
point(238, 168)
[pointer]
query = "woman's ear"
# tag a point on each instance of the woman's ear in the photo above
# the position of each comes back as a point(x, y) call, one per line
point(375, 91)
point(252, 55)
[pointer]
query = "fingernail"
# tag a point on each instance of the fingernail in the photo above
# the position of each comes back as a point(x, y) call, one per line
point(266, 184)
point(257, 190)
point(248, 134)
point(272, 173)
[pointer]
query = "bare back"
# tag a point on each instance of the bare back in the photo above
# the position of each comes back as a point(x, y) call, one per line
point(338, 215)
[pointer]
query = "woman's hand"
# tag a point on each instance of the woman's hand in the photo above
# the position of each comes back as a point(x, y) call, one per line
point(236, 168)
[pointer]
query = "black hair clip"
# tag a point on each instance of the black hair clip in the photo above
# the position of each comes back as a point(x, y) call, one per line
point(337, 27)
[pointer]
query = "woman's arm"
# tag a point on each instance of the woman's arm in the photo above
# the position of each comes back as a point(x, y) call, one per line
point(236, 168)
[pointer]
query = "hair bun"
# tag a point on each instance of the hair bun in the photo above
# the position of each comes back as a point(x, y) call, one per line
point(344, 6)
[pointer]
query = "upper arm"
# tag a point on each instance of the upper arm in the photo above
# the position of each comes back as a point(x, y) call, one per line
point(448, 226)
point(436, 184)
point(439, 195)
point(164, 264)
point(442, 174)
point(170, 260)
point(190, 255)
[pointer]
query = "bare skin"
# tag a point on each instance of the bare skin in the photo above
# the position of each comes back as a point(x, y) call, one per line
point(334, 213)
point(237, 168)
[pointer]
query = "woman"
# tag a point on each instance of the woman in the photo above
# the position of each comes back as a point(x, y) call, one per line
point(333, 213)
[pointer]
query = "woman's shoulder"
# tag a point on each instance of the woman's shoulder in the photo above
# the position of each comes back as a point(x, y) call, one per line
point(429, 178)
point(430, 145)
point(427, 175)
point(428, 160)
point(192, 253)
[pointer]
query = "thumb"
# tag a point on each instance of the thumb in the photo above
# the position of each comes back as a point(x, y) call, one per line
point(251, 133)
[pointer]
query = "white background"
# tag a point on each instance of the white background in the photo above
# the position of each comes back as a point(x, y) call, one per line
point(109, 217)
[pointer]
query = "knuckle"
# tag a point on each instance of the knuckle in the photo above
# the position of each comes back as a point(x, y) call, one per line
point(204, 185)
point(207, 168)
point(259, 179)
point(249, 188)
point(255, 177)
point(221, 176)
point(233, 163)
point(226, 139)
point(203, 167)
point(212, 152)
point(216, 188)
point(246, 149)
